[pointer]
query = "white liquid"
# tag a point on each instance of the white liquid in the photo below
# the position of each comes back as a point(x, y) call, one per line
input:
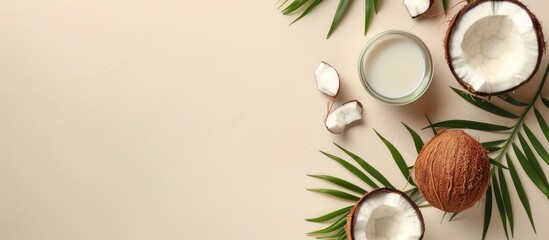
point(395, 67)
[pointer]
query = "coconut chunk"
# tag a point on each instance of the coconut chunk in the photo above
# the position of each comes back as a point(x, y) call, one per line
point(337, 120)
point(327, 79)
point(494, 46)
point(417, 7)
point(385, 214)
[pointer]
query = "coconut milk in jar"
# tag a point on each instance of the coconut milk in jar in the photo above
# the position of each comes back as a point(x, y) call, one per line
point(396, 67)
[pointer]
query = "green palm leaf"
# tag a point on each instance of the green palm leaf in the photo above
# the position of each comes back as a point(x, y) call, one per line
point(431, 125)
point(371, 7)
point(352, 169)
point(536, 144)
point(418, 142)
point(497, 164)
point(369, 169)
point(445, 5)
point(338, 16)
point(335, 235)
point(296, 4)
point(481, 103)
point(520, 191)
point(331, 215)
point(506, 200)
point(398, 159)
point(368, 14)
point(530, 171)
point(340, 223)
point(500, 204)
point(545, 101)
point(532, 158)
point(493, 143)
point(376, 5)
point(308, 10)
point(452, 217)
point(492, 149)
point(282, 4)
point(526, 147)
point(469, 125)
point(512, 101)
point(340, 182)
point(335, 193)
point(542, 123)
point(487, 212)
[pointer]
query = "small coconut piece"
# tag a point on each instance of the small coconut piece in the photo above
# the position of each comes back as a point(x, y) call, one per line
point(417, 7)
point(327, 79)
point(452, 171)
point(493, 47)
point(383, 214)
point(337, 120)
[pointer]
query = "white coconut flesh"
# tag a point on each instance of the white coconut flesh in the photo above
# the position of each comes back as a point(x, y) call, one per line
point(417, 7)
point(337, 120)
point(387, 216)
point(327, 79)
point(494, 47)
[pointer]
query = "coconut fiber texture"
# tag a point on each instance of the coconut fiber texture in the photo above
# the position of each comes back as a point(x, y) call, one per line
point(452, 171)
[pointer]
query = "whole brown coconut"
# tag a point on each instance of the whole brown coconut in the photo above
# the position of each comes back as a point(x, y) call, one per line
point(452, 171)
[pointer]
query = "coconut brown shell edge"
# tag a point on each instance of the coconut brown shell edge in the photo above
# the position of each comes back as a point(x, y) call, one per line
point(537, 28)
point(352, 214)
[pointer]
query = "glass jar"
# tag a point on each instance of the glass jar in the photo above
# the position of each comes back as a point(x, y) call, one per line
point(396, 67)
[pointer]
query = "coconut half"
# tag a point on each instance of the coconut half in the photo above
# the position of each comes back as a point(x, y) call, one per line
point(417, 7)
point(337, 120)
point(385, 214)
point(494, 47)
point(327, 79)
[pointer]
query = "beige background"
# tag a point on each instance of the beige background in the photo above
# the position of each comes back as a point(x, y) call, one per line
point(176, 119)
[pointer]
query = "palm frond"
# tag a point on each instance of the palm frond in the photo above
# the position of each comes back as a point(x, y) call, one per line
point(468, 124)
point(307, 10)
point(418, 142)
point(520, 144)
point(367, 167)
point(296, 4)
point(507, 98)
point(484, 105)
point(371, 7)
point(530, 171)
point(399, 160)
point(351, 168)
point(520, 192)
point(336, 226)
point(523, 147)
point(337, 218)
point(331, 215)
point(340, 11)
point(506, 200)
point(487, 212)
point(500, 204)
point(445, 5)
point(335, 193)
point(340, 182)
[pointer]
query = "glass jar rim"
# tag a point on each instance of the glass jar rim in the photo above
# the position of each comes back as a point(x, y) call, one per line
point(429, 67)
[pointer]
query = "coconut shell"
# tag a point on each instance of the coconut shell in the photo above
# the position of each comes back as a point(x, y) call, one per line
point(455, 20)
point(452, 171)
point(352, 214)
point(431, 2)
